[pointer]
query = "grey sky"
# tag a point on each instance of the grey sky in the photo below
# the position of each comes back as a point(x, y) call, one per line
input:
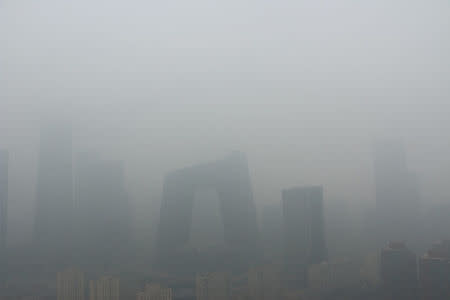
point(303, 87)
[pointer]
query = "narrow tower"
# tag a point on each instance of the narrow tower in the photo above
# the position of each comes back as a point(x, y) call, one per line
point(304, 233)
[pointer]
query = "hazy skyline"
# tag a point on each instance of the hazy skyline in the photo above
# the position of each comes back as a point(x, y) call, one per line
point(303, 88)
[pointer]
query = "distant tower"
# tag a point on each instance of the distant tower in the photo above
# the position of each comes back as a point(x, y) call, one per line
point(3, 202)
point(53, 222)
point(70, 285)
point(398, 267)
point(397, 194)
point(304, 232)
point(105, 288)
point(434, 272)
point(213, 286)
point(155, 291)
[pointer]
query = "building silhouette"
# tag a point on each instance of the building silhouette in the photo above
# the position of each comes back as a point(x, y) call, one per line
point(155, 291)
point(304, 236)
point(397, 194)
point(4, 159)
point(70, 285)
point(398, 268)
point(264, 283)
point(206, 226)
point(53, 222)
point(4, 162)
point(105, 288)
point(327, 277)
point(230, 178)
point(213, 286)
point(434, 272)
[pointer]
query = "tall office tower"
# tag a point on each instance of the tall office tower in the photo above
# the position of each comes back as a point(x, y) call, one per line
point(102, 216)
point(105, 288)
point(70, 285)
point(398, 268)
point(155, 291)
point(434, 272)
point(264, 283)
point(304, 236)
point(53, 223)
point(213, 286)
point(3, 201)
point(397, 194)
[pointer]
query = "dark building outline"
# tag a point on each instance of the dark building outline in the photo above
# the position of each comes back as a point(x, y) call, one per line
point(230, 178)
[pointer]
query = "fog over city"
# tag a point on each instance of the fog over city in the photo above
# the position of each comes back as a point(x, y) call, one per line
point(305, 90)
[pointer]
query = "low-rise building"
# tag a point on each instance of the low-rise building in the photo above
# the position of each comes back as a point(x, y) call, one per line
point(264, 283)
point(213, 286)
point(329, 276)
point(70, 285)
point(155, 291)
point(105, 288)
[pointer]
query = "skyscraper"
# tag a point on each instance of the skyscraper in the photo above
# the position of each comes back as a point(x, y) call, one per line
point(397, 194)
point(398, 269)
point(3, 201)
point(3, 212)
point(70, 285)
point(53, 222)
point(304, 236)
point(105, 288)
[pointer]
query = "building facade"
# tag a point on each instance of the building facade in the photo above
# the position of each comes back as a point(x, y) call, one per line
point(213, 286)
point(230, 179)
point(155, 291)
point(4, 159)
point(434, 272)
point(105, 288)
point(304, 232)
point(328, 277)
point(398, 268)
point(264, 283)
point(70, 285)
